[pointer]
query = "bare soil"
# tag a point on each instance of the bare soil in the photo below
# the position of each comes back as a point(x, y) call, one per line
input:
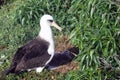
point(62, 43)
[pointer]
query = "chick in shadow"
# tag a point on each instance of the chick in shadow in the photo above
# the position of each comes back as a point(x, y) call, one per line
point(63, 58)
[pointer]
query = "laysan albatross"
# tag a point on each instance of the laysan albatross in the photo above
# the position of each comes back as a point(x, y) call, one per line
point(37, 53)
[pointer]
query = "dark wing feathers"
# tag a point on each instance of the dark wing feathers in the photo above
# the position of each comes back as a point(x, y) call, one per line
point(36, 49)
point(31, 55)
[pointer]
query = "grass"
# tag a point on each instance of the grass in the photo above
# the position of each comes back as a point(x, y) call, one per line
point(93, 25)
point(97, 36)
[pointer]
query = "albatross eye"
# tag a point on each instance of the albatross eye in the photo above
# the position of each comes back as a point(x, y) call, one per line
point(50, 21)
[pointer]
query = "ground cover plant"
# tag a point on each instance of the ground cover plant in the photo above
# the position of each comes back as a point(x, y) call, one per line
point(92, 25)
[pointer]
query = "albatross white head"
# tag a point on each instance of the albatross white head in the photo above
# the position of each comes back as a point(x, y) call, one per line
point(46, 22)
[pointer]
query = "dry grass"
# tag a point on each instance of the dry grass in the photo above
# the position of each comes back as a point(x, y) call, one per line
point(62, 43)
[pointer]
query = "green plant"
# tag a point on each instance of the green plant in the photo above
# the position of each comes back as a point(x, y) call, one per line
point(97, 34)
point(30, 13)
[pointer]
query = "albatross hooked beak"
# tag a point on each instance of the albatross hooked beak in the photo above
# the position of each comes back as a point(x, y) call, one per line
point(56, 26)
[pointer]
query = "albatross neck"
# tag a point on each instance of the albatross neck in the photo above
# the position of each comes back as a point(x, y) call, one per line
point(46, 33)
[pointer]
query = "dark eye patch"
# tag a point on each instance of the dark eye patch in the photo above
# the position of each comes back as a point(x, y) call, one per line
point(50, 20)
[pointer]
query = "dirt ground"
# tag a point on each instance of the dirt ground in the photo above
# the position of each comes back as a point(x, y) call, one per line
point(62, 43)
